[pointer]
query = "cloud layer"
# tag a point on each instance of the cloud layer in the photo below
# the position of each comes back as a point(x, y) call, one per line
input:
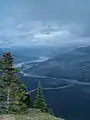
point(38, 33)
point(31, 23)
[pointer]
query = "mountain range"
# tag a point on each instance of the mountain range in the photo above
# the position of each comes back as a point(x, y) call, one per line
point(64, 75)
point(74, 64)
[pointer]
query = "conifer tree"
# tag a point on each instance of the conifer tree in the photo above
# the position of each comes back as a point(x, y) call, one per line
point(40, 101)
point(2, 99)
point(12, 87)
point(27, 99)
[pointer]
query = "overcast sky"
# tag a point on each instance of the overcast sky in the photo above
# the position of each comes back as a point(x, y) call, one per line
point(44, 22)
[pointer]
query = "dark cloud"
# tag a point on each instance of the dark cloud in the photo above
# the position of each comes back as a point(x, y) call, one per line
point(70, 17)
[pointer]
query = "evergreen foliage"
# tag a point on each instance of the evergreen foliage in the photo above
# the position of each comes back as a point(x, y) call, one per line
point(14, 96)
point(13, 93)
point(40, 101)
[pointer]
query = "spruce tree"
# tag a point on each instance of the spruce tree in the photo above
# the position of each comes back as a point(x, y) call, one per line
point(40, 101)
point(27, 100)
point(2, 99)
point(12, 87)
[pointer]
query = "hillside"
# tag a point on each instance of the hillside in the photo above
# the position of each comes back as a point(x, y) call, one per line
point(31, 116)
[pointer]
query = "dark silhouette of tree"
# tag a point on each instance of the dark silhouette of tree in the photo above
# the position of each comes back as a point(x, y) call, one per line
point(40, 101)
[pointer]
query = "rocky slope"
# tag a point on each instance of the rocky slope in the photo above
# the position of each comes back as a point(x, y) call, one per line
point(31, 116)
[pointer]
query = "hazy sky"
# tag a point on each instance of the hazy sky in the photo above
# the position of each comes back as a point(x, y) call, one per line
point(44, 22)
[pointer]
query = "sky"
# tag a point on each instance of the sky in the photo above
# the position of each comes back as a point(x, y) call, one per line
point(31, 23)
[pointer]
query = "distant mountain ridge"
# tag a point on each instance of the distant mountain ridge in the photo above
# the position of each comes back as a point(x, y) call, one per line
point(74, 64)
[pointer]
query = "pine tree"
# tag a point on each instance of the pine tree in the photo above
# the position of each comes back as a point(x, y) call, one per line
point(40, 101)
point(2, 89)
point(2, 99)
point(12, 87)
point(27, 100)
